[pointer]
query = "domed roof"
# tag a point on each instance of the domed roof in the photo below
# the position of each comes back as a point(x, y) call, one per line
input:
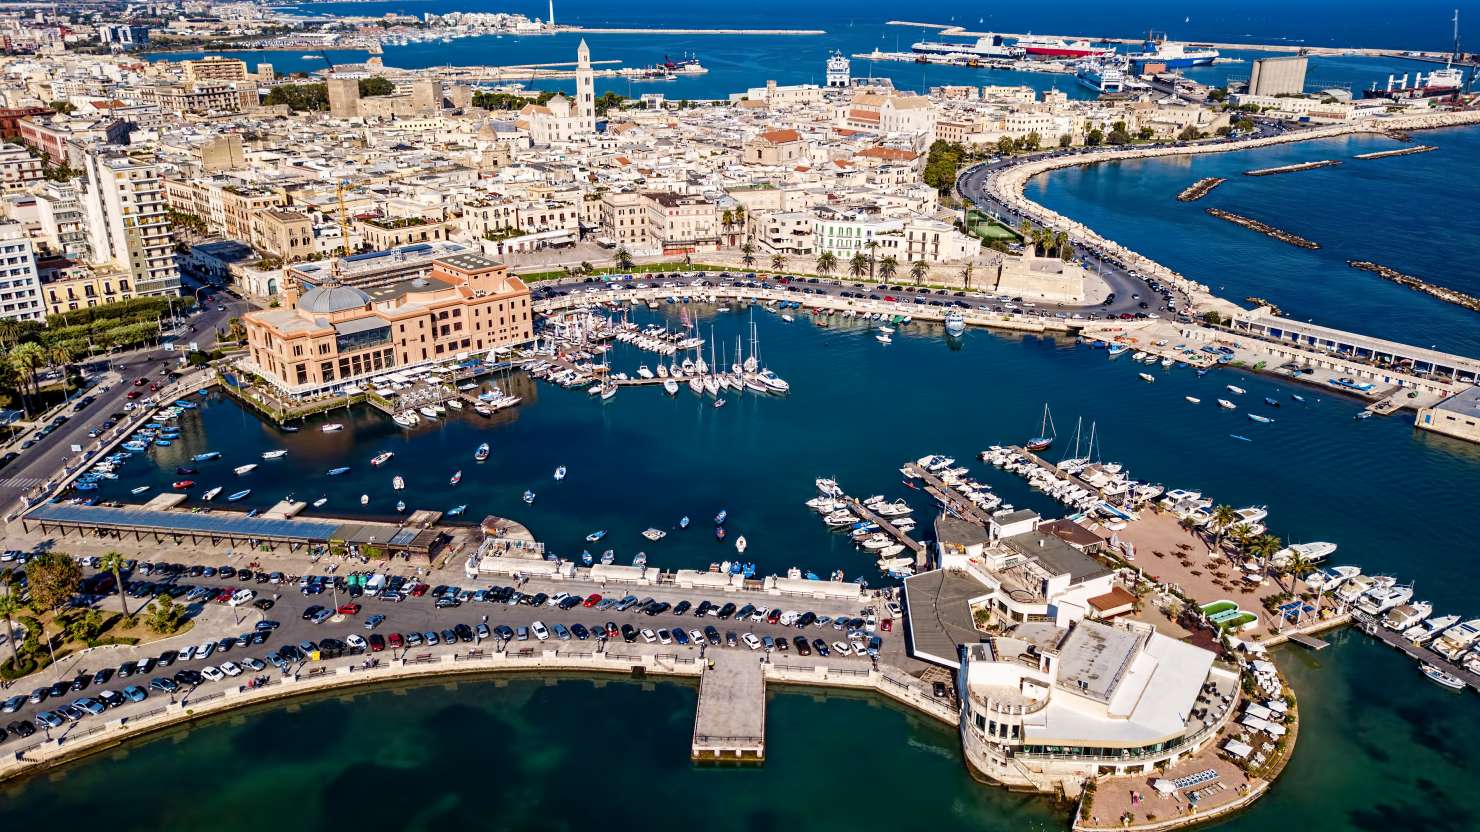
point(330, 299)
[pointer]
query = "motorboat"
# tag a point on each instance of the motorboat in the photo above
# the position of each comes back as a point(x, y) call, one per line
point(644, 372)
point(1430, 628)
point(334, 472)
point(427, 411)
point(639, 560)
point(1313, 552)
point(382, 458)
point(683, 522)
point(364, 499)
point(741, 544)
point(1193, 399)
point(331, 427)
point(1147, 377)
point(1226, 404)
point(398, 482)
point(608, 557)
point(456, 478)
point(719, 403)
point(245, 469)
point(184, 484)
point(719, 519)
point(1271, 402)
point(719, 532)
point(140, 490)
point(457, 510)
point(560, 473)
point(240, 495)
point(654, 534)
point(596, 535)
point(884, 338)
point(1236, 390)
point(1448, 680)
point(185, 469)
point(278, 454)
point(206, 456)
point(528, 497)
point(1404, 616)
point(319, 503)
point(482, 452)
point(1255, 417)
point(400, 506)
point(209, 495)
point(670, 387)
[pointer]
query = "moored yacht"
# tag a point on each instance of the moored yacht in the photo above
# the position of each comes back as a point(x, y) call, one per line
point(1404, 616)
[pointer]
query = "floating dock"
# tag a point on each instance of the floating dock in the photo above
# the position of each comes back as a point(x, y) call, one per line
point(1303, 166)
point(730, 721)
point(1373, 628)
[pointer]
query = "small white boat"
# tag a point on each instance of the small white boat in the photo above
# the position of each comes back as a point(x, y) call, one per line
point(364, 499)
point(1193, 399)
point(245, 469)
point(1226, 404)
point(560, 473)
point(1448, 680)
point(455, 404)
point(1257, 418)
point(211, 494)
point(428, 412)
point(1236, 390)
point(331, 427)
point(319, 503)
point(644, 372)
point(654, 534)
point(278, 454)
point(883, 338)
point(398, 483)
point(1147, 377)
point(670, 387)
point(140, 490)
point(719, 402)
point(528, 497)
point(400, 505)
point(740, 544)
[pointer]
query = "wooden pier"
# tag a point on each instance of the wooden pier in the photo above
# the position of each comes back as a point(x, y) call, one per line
point(1372, 627)
point(916, 547)
point(730, 721)
point(946, 496)
point(1310, 642)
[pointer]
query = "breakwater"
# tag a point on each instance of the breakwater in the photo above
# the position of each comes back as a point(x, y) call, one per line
point(1447, 295)
point(1264, 228)
point(1258, 302)
point(1402, 151)
point(1199, 189)
point(1303, 166)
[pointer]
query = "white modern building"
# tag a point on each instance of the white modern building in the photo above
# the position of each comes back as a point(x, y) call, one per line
point(124, 204)
point(20, 286)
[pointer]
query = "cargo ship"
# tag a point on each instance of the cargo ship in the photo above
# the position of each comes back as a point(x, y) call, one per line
point(1040, 47)
point(1439, 83)
point(991, 46)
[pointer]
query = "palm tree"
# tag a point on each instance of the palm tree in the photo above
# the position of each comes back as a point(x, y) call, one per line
point(10, 332)
point(1242, 535)
point(1025, 230)
point(624, 258)
point(918, 270)
point(727, 219)
point(873, 251)
point(740, 219)
point(113, 562)
point(26, 358)
point(887, 267)
point(9, 606)
point(1223, 517)
point(1298, 567)
point(778, 263)
point(826, 263)
point(747, 254)
point(859, 265)
point(966, 273)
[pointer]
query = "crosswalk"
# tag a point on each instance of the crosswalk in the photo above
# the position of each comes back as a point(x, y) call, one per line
point(21, 482)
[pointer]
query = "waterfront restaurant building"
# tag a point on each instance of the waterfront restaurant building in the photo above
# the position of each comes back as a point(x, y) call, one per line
point(335, 334)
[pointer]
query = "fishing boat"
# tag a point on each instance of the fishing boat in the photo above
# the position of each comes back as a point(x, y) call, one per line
point(278, 454)
point(883, 338)
point(560, 473)
point(427, 411)
point(382, 458)
point(455, 404)
point(364, 499)
point(206, 456)
point(319, 503)
point(1116, 349)
point(184, 469)
point(482, 452)
point(331, 427)
point(719, 519)
point(719, 532)
point(586, 557)
point(608, 557)
point(1366, 414)
point(639, 560)
point(1448, 680)
point(456, 510)
point(740, 544)
point(1271, 402)
point(245, 469)
point(140, 490)
point(596, 535)
point(1226, 404)
point(1147, 377)
point(528, 497)
point(1257, 418)
point(456, 478)
point(183, 484)
point(1193, 399)
point(1236, 390)
point(398, 482)
point(670, 387)
point(400, 506)
point(1297, 397)
point(683, 522)
point(334, 472)
point(240, 495)
point(654, 534)
point(1046, 433)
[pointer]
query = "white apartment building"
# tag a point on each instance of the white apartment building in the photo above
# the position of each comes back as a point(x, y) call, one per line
point(906, 239)
point(124, 203)
point(18, 168)
point(20, 286)
point(63, 223)
point(682, 223)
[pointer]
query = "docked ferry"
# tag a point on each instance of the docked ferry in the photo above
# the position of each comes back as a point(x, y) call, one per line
point(1172, 54)
point(1041, 47)
point(1102, 77)
point(991, 46)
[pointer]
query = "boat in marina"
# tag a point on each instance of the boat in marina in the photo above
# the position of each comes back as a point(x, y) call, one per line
point(1193, 399)
point(382, 458)
point(240, 495)
point(1156, 49)
point(398, 482)
point(719, 532)
point(719, 519)
point(245, 469)
point(955, 323)
point(1049, 47)
point(1429, 628)
point(1147, 377)
point(884, 338)
point(278, 454)
point(1046, 433)
point(457, 510)
point(528, 497)
point(206, 456)
point(455, 404)
point(1226, 404)
point(184, 484)
point(1312, 552)
point(1257, 418)
point(482, 452)
point(1116, 349)
point(719, 402)
point(1271, 402)
point(1236, 390)
point(644, 372)
point(400, 506)
point(427, 411)
point(364, 499)
point(639, 560)
point(331, 427)
point(608, 557)
point(456, 478)
point(1402, 617)
point(319, 503)
point(741, 544)
point(683, 522)
point(670, 387)
point(140, 490)
point(185, 469)
point(596, 536)
point(990, 46)
point(654, 534)
point(1448, 680)
point(334, 472)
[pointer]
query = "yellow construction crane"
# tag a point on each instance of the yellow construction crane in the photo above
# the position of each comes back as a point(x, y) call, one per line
point(343, 218)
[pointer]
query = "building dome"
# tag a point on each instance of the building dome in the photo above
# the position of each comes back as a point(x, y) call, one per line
point(330, 299)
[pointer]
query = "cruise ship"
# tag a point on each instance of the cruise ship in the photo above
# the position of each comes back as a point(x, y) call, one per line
point(991, 46)
point(1440, 82)
point(1103, 77)
point(1040, 47)
point(1174, 55)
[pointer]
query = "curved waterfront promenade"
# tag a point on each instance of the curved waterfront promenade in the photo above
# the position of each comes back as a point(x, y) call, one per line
point(1007, 186)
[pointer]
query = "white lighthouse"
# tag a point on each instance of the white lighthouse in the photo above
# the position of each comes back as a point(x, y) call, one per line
point(837, 70)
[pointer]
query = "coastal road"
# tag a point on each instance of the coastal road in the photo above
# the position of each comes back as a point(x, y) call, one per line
point(44, 460)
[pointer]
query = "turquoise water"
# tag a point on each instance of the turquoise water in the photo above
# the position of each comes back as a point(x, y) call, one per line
point(1407, 212)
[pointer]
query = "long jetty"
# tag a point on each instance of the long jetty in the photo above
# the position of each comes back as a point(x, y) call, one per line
point(1303, 166)
point(1264, 228)
point(946, 496)
point(1418, 284)
point(1402, 151)
point(1199, 189)
point(914, 546)
point(1372, 627)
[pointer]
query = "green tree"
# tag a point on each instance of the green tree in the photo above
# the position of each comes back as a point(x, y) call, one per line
point(1094, 137)
point(747, 254)
point(65, 108)
point(727, 220)
point(1118, 136)
point(1145, 134)
point(375, 86)
point(165, 616)
point(827, 262)
point(85, 626)
point(1218, 94)
point(941, 165)
point(9, 606)
point(299, 97)
point(1032, 140)
point(624, 258)
point(873, 254)
point(113, 562)
point(858, 265)
point(918, 270)
point(609, 101)
point(887, 267)
point(778, 263)
point(1189, 134)
point(740, 219)
point(1222, 518)
point(53, 579)
point(1065, 140)
point(1005, 146)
